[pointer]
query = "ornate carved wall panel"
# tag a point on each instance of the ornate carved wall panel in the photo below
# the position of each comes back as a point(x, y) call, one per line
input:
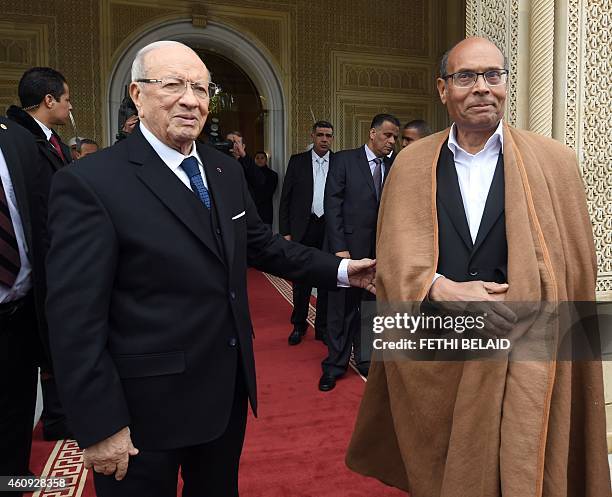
point(126, 17)
point(374, 31)
point(574, 69)
point(366, 84)
point(498, 20)
point(271, 27)
point(85, 38)
point(24, 42)
point(353, 116)
point(596, 120)
point(588, 119)
point(584, 97)
point(64, 35)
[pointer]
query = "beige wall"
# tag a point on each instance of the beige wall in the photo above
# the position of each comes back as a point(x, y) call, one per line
point(63, 34)
point(344, 60)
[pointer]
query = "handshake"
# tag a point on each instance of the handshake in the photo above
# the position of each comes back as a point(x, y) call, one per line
point(362, 274)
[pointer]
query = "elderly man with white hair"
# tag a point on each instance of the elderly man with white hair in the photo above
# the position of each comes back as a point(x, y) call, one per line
point(148, 311)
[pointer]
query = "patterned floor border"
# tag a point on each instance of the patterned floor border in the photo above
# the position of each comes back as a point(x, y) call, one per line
point(285, 288)
point(65, 461)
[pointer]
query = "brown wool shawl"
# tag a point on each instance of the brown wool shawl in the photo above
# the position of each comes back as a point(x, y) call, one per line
point(487, 428)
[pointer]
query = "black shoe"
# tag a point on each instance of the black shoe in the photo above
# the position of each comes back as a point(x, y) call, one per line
point(327, 383)
point(296, 335)
point(321, 336)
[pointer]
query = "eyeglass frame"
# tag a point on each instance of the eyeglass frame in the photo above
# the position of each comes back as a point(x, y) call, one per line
point(211, 85)
point(478, 74)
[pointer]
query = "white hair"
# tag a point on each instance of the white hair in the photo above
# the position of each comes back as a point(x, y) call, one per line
point(138, 66)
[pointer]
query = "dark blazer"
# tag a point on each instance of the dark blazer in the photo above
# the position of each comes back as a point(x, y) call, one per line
point(264, 193)
point(47, 162)
point(147, 300)
point(31, 184)
point(351, 207)
point(296, 197)
point(459, 258)
point(252, 173)
point(47, 154)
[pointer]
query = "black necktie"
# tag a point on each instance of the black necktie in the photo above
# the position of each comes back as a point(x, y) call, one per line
point(377, 176)
point(9, 251)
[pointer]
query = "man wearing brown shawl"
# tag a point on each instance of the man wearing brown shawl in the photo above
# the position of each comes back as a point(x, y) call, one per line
point(504, 219)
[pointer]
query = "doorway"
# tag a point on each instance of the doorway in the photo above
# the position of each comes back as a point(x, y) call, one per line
point(237, 106)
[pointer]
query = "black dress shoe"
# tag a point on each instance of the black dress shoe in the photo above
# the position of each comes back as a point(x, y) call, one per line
point(327, 383)
point(296, 336)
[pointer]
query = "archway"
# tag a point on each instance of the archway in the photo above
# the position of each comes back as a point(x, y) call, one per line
point(237, 105)
point(230, 43)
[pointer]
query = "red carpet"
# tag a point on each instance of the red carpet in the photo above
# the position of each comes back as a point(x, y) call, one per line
point(297, 445)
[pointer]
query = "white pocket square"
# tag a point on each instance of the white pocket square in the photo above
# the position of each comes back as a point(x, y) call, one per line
point(238, 215)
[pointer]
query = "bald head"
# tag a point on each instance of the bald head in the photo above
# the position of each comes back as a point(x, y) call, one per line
point(475, 42)
point(140, 67)
point(476, 93)
point(170, 89)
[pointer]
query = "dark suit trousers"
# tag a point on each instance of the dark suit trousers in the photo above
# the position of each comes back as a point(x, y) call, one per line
point(53, 418)
point(344, 331)
point(208, 470)
point(315, 233)
point(18, 383)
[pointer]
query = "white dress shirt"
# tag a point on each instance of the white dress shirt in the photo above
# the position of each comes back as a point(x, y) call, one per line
point(371, 156)
point(45, 129)
point(173, 160)
point(320, 168)
point(23, 282)
point(475, 174)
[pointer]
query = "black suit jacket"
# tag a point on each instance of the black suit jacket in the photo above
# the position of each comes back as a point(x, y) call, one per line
point(47, 154)
point(147, 306)
point(264, 193)
point(253, 174)
point(459, 259)
point(31, 183)
point(48, 162)
point(296, 197)
point(351, 206)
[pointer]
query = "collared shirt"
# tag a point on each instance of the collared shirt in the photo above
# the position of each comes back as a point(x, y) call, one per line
point(23, 283)
point(46, 130)
point(318, 184)
point(172, 158)
point(475, 174)
point(371, 156)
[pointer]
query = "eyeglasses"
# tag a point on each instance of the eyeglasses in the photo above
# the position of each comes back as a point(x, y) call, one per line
point(467, 79)
point(178, 86)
